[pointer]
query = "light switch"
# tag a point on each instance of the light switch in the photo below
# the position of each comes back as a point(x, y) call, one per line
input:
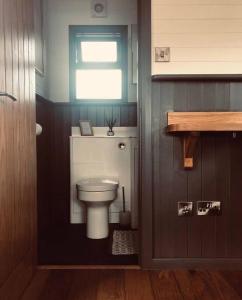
point(162, 54)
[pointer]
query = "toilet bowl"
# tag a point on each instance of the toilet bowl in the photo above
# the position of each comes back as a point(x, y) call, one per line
point(97, 194)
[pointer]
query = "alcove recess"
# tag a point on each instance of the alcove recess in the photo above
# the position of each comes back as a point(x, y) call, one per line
point(191, 124)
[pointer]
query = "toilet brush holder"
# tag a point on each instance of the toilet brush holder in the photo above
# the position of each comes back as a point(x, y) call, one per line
point(125, 219)
point(124, 216)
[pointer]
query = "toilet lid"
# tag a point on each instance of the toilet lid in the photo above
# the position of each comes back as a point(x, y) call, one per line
point(97, 184)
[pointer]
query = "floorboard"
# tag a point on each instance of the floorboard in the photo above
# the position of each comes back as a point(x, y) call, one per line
point(134, 285)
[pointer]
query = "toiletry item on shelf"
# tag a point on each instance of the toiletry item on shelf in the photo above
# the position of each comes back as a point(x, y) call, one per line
point(111, 122)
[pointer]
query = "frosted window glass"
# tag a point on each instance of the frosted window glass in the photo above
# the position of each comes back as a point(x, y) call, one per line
point(99, 84)
point(99, 51)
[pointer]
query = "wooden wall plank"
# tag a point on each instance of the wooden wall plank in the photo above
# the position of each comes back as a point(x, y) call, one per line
point(208, 174)
point(158, 229)
point(180, 177)
point(202, 11)
point(198, 2)
point(17, 146)
point(195, 91)
point(163, 204)
point(204, 38)
point(216, 160)
point(222, 183)
point(3, 163)
point(100, 116)
point(43, 116)
point(197, 26)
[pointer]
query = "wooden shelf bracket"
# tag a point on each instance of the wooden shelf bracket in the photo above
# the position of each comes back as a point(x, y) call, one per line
point(193, 123)
point(189, 148)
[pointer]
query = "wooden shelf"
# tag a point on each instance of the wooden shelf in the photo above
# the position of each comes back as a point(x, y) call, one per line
point(193, 123)
point(204, 121)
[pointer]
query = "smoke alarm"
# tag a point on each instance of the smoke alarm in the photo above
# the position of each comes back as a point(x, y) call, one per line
point(99, 8)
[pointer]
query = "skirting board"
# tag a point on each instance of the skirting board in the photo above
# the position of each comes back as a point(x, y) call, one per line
point(194, 263)
point(88, 267)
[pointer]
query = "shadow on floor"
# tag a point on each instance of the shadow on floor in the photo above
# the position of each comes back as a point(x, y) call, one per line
point(69, 246)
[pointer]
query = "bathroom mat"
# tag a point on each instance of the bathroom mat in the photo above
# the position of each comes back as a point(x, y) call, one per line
point(125, 242)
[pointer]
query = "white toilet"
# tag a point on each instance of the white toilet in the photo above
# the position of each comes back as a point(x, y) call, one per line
point(97, 194)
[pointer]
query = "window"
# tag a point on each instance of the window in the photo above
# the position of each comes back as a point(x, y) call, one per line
point(98, 63)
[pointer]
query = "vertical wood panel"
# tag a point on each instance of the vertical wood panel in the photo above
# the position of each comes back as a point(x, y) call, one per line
point(83, 112)
point(158, 229)
point(216, 175)
point(9, 138)
point(132, 113)
point(208, 173)
point(222, 177)
point(108, 114)
point(208, 193)
point(92, 115)
point(100, 116)
point(163, 205)
point(43, 117)
point(3, 163)
point(124, 115)
point(180, 177)
point(116, 116)
point(17, 148)
point(195, 177)
point(235, 245)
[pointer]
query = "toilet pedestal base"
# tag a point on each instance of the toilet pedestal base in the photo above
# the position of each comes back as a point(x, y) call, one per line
point(97, 222)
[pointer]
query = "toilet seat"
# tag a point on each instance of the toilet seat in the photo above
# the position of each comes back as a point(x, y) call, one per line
point(97, 184)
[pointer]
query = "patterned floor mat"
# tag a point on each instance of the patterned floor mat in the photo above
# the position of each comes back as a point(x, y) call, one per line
point(125, 242)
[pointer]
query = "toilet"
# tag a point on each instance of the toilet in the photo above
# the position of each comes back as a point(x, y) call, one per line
point(97, 194)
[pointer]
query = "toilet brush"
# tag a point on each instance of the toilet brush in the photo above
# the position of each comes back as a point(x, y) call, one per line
point(124, 216)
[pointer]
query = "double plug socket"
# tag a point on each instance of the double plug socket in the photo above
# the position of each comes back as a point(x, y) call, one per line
point(204, 208)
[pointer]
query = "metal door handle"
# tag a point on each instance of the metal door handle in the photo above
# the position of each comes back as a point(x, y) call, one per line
point(4, 94)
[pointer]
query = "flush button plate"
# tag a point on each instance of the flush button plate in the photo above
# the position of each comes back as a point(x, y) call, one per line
point(185, 209)
point(209, 208)
point(122, 146)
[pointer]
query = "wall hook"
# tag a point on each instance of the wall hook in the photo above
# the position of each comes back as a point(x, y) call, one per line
point(4, 94)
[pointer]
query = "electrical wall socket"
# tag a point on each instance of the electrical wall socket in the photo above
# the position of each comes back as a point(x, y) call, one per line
point(162, 54)
point(185, 209)
point(209, 208)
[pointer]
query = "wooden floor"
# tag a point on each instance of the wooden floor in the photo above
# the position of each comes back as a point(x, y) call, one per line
point(134, 285)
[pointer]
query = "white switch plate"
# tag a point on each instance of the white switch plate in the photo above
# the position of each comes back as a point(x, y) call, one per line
point(162, 54)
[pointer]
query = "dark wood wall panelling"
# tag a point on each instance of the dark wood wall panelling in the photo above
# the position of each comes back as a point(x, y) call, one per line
point(216, 176)
point(166, 239)
point(44, 117)
point(53, 154)
point(17, 148)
